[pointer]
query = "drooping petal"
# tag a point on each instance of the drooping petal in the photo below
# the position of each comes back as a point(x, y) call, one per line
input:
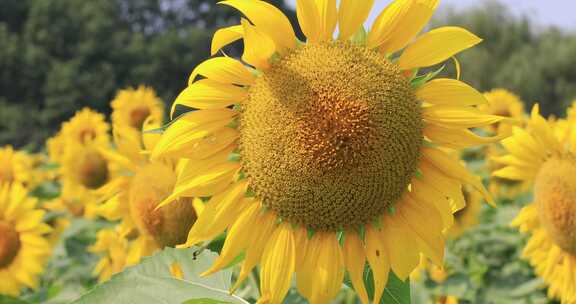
point(355, 259)
point(411, 23)
point(377, 255)
point(237, 239)
point(258, 47)
point(452, 168)
point(219, 213)
point(208, 184)
point(351, 16)
point(323, 269)
point(437, 46)
point(402, 250)
point(266, 223)
point(278, 263)
point(422, 192)
point(225, 36)
point(269, 20)
point(209, 94)
point(225, 70)
point(449, 92)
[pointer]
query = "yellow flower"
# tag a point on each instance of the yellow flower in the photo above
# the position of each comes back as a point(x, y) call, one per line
point(469, 215)
point(132, 197)
point(83, 168)
point(131, 107)
point(16, 166)
point(24, 248)
point(326, 138)
point(537, 156)
point(503, 103)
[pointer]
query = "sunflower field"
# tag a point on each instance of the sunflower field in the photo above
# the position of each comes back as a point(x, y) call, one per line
point(308, 151)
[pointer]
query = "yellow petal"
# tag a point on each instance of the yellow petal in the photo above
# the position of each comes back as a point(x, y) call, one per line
point(436, 46)
point(402, 250)
point(269, 20)
point(191, 128)
point(457, 138)
point(452, 168)
point(449, 92)
point(225, 36)
point(323, 269)
point(309, 19)
point(425, 226)
point(355, 259)
point(437, 180)
point(377, 255)
point(258, 47)
point(266, 223)
point(237, 239)
point(458, 117)
point(411, 23)
point(351, 16)
point(209, 94)
point(512, 173)
point(219, 213)
point(205, 185)
point(278, 263)
point(328, 18)
point(30, 220)
point(385, 24)
point(225, 70)
point(422, 192)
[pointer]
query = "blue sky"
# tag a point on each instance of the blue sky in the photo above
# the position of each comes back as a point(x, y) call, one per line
point(560, 13)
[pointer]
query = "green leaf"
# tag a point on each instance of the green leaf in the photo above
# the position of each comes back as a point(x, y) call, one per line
point(10, 300)
point(359, 37)
point(204, 301)
point(395, 292)
point(422, 79)
point(151, 282)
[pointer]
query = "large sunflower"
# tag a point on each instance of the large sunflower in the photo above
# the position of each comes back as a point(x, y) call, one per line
point(323, 154)
point(24, 248)
point(131, 107)
point(132, 198)
point(537, 156)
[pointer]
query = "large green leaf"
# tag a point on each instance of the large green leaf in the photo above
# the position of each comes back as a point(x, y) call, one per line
point(151, 282)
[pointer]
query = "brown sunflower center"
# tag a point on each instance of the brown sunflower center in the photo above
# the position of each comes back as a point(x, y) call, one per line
point(92, 170)
point(169, 225)
point(330, 135)
point(138, 116)
point(555, 194)
point(9, 244)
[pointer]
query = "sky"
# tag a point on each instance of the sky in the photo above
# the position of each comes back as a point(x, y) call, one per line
point(545, 12)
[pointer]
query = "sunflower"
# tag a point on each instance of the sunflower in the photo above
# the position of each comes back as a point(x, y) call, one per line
point(322, 155)
point(131, 107)
point(24, 248)
point(16, 166)
point(468, 216)
point(82, 167)
point(537, 156)
point(504, 103)
point(132, 198)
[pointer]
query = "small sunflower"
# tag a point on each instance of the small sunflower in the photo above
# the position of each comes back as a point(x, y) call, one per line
point(16, 166)
point(504, 103)
point(537, 156)
point(82, 167)
point(24, 248)
point(131, 107)
point(324, 154)
point(469, 215)
point(132, 197)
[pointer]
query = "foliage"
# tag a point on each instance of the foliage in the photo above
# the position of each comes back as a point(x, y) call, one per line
point(516, 54)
